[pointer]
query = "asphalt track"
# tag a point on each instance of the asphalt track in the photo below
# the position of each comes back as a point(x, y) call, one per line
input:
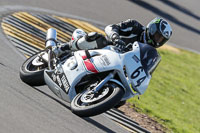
point(27, 109)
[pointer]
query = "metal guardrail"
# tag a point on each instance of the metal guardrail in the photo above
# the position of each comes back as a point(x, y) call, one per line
point(122, 119)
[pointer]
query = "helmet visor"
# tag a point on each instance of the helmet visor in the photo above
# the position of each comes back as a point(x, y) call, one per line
point(159, 39)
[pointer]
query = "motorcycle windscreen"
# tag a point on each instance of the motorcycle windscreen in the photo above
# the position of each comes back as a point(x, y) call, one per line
point(150, 58)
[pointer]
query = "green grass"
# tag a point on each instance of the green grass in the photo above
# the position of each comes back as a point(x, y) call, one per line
point(173, 96)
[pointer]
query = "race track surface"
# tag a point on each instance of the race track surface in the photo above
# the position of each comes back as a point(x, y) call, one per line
point(27, 109)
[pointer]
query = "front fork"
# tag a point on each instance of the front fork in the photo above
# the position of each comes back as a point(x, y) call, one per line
point(104, 81)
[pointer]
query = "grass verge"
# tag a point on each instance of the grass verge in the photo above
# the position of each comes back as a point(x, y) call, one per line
point(173, 96)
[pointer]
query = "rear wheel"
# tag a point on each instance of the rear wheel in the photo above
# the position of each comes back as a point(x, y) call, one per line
point(33, 74)
point(88, 103)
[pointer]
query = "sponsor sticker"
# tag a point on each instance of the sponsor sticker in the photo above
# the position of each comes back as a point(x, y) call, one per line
point(60, 79)
point(104, 60)
point(65, 83)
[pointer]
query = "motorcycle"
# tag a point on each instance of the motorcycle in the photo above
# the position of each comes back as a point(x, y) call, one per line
point(93, 81)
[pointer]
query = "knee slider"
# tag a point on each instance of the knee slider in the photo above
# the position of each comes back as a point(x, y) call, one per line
point(92, 36)
point(83, 44)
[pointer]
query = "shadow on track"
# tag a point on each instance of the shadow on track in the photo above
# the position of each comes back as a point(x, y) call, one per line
point(180, 8)
point(89, 120)
point(164, 15)
point(100, 126)
point(61, 103)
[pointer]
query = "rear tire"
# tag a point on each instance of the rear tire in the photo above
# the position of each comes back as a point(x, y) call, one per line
point(30, 75)
point(99, 106)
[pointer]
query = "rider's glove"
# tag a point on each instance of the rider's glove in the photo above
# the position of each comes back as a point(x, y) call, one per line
point(119, 43)
point(114, 37)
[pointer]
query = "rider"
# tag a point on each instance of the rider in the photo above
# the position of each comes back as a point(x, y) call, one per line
point(157, 33)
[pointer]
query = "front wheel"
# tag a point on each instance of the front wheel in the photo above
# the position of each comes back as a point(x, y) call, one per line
point(88, 103)
point(33, 73)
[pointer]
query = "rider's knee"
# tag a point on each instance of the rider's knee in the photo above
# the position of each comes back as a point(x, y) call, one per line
point(92, 40)
point(101, 41)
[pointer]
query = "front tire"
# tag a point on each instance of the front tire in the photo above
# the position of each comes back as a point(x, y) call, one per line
point(108, 98)
point(32, 75)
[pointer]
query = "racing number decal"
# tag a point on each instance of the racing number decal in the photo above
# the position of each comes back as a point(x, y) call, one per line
point(136, 73)
point(139, 81)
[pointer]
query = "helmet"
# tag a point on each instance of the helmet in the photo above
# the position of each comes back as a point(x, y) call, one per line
point(78, 33)
point(158, 32)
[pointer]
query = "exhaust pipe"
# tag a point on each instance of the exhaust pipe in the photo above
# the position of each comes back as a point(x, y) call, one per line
point(51, 38)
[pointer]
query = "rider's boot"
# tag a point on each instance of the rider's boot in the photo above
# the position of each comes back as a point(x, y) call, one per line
point(92, 40)
point(61, 49)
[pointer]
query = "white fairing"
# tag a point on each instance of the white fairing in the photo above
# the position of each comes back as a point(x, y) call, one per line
point(128, 66)
point(135, 71)
point(74, 75)
point(111, 60)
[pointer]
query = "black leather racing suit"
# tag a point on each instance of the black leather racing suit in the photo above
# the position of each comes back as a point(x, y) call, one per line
point(129, 31)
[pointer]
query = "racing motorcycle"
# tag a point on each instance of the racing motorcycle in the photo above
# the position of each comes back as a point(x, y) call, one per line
point(93, 81)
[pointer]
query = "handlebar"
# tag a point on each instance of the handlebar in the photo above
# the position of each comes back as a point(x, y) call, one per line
point(125, 49)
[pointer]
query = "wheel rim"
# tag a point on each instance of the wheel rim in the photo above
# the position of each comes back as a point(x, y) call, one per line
point(90, 97)
point(33, 68)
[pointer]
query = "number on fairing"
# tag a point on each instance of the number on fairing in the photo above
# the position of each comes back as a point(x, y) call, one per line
point(137, 73)
point(139, 81)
